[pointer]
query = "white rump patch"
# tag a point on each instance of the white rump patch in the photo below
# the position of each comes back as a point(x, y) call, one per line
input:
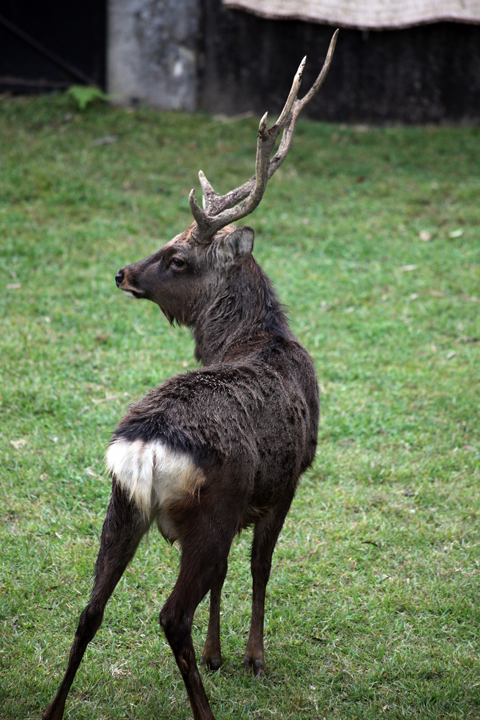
point(152, 474)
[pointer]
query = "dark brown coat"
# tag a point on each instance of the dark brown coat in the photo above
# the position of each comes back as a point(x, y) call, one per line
point(210, 451)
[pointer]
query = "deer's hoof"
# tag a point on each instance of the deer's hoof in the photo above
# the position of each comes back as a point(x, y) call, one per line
point(53, 712)
point(256, 664)
point(212, 663)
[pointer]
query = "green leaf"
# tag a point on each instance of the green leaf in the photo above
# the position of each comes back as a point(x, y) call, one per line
point(84, 95)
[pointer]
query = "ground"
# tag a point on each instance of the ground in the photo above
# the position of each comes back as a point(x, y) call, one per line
point(372, 239)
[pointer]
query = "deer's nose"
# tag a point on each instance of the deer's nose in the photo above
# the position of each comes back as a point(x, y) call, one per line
point(119, 277)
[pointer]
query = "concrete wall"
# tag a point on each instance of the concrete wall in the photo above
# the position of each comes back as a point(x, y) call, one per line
point(427, 73)
point(152, 52)
point(196, 54)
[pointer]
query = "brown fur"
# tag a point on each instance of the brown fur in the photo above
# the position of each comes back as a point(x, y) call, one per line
point(248, 419)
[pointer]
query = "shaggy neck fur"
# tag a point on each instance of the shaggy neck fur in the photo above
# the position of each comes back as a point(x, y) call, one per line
point(244, 309)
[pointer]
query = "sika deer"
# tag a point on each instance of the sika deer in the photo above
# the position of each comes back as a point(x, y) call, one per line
point(214, 450)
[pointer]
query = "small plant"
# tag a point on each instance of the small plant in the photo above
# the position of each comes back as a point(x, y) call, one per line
point(83, 95)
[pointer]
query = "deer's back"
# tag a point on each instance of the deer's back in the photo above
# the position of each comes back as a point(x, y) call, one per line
point(248, 426)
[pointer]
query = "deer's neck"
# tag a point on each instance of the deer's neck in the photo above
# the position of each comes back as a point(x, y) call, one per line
point(243, 311)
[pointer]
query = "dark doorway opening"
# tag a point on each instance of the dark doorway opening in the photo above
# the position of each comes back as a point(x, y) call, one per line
point(50, 45)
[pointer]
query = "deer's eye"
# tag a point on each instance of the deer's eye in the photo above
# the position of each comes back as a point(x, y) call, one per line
point(177, 262)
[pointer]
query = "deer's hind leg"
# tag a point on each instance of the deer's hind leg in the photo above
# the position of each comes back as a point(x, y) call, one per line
point(122, 531)
point(265, 535)
point(206, 534)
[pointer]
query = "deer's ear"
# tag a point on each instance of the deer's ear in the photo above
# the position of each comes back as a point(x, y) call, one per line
point(234, 247)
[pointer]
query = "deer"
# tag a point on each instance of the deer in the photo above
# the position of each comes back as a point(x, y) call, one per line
point(216, 449)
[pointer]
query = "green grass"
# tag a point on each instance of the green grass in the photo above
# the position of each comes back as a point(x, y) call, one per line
point(373, 604)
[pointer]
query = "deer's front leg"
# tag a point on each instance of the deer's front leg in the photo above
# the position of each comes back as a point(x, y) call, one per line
point(122, 531)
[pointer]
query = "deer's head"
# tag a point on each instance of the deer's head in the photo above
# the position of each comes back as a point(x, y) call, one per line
point(178, 277)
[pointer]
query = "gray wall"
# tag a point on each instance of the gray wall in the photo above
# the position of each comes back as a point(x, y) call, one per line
point(195, 54)
point(152, 52)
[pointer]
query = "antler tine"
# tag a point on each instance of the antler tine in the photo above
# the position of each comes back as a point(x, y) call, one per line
point(322, 74)
point(221, 210)
point(198, 214)
point(292, 96)
point(208, 192)
point(298, 106)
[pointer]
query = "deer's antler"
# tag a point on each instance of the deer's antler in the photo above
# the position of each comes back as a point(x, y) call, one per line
point(221, 210)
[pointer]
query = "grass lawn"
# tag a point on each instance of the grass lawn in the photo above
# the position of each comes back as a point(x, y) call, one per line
point(372, 237)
